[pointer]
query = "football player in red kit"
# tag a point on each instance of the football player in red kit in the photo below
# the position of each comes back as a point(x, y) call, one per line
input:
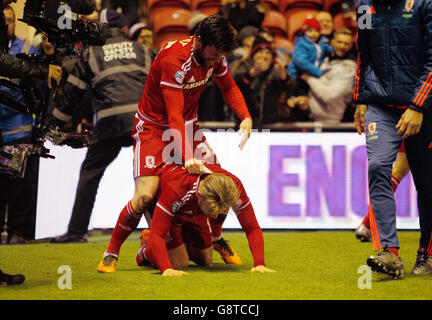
point(166, 128)
point(180, 229)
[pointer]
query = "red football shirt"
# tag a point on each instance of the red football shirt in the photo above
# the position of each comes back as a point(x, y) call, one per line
point(174, 86)
point(175, 67)
point(178, 197)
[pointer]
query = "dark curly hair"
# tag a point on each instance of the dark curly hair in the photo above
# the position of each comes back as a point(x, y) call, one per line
point(218, 31)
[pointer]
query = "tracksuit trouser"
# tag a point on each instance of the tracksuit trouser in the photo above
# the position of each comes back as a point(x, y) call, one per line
point(383, 143)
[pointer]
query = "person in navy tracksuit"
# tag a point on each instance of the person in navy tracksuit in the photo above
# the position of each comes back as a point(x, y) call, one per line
point(393, 83)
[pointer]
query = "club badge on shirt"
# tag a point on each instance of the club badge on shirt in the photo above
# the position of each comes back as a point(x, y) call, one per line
point(150, 162)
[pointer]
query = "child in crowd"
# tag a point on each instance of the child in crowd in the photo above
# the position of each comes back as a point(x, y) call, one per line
point(308, 54)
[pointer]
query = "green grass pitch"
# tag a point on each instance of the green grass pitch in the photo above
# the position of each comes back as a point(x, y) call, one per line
point(310, 265)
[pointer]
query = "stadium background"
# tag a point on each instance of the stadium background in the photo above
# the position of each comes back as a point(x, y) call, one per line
point(309, 264)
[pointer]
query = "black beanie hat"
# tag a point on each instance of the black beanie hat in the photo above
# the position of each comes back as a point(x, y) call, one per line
point(259, 44)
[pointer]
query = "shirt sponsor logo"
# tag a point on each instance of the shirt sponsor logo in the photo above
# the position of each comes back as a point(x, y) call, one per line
point(180, 75)
point(195, 84)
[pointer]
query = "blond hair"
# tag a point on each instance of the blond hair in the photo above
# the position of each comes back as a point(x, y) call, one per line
point(219, 191)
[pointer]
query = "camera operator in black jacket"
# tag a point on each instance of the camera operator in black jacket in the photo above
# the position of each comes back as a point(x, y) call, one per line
point(13, 67)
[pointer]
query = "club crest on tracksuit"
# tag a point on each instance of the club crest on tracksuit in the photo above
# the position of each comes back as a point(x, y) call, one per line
point(409, 4)
point(372, 131)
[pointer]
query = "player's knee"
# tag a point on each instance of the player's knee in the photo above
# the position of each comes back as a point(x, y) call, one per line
point(377, 168)
point(141, 202)
point(205, 260)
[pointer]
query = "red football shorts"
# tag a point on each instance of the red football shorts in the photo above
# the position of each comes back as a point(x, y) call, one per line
point(154, 147)
point(190, 229)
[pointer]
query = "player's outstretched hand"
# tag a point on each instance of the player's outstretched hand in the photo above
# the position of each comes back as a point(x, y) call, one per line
point(359, 115)
point(262, 269)
point(245, 131)
point(174, 273)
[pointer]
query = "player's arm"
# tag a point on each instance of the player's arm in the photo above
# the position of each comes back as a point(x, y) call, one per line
point(362, 45)
point(172, 93)
point(160, 226)
point(363, 52)
point(411, 120)
point(422, 97)
point(174, 103)
point(250, 226)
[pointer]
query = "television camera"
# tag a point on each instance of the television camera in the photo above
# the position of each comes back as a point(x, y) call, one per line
point(62, 22)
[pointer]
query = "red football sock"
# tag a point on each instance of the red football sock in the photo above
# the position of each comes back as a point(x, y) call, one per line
point(148, 255)
point(395, 182)
point(394, 250)
point(126, 224)
point(366, 221)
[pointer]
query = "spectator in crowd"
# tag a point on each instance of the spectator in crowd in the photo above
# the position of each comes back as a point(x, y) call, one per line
point(143, 34)
point(117, 79)
point(330, 94)
point(296, 109)
point(325, 20)
point(308, 54)
point(129, 8)
point(263, 83)
point(245, 38)
point(18, 196)
point(242, 13)
point(267, 34)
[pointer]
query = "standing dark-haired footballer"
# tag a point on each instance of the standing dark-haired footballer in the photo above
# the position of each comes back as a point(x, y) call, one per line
point(168, 110)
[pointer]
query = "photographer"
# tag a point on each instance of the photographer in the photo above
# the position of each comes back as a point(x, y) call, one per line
point(116, 73)
point(14, 67)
